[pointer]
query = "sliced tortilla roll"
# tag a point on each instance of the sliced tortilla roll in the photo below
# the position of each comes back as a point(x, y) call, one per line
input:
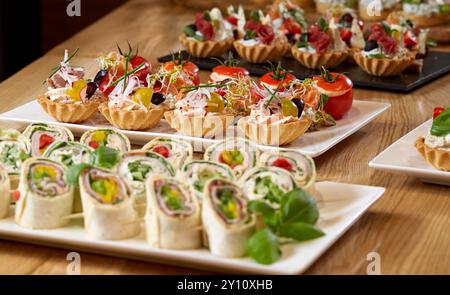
point(198, 172)
point(109, 212)
point(300, 165)
point(267, 183)
point(237, 153)
point(42, 135)
point(173, 214)
point(106, 137)
point(227, 223)
point(177, 152)
point(4, 192)
point(45, 196)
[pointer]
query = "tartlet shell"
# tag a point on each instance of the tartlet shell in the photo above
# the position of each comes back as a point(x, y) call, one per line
point(262, 133)
point(197, 126)
point(206, 48)
point(131, 119)
point(262, 53)
point(382, 67)
point(439, 158)
point(68, 112)
point(318, 60)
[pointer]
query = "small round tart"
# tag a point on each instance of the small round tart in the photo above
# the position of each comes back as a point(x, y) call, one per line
point(382, 67)
point(260, 53)
point(205, 48)
point(328, 59)
point(68, 112)
point(439, 158)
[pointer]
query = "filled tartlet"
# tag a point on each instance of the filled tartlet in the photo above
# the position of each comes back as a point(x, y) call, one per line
point(236, 17)
point(427, 13)
point(202, 112)
point(260, 43)
point(377, 11)
point(384, 54)
point(435, 146)
point(210, 35)
point(321, 46)
point(70, 98)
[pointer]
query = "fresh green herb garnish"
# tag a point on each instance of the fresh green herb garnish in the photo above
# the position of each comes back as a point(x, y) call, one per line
point(431, 42)
point(57, 68)
point(254, 15)
point(377, 55)
point(106, 157)
point(322, 24)
point(441, 124)
point(268, 189)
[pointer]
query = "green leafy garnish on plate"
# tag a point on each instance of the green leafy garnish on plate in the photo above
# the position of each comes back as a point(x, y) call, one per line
point(441, 124)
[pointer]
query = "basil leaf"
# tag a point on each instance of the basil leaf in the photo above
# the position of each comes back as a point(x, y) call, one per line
point(269, 213)
point(431, 42)
point(377, 55)
point(263, 247)
point(106, 157)
point(386, 28)
point(74, 172)
point(298, 206)
point(322, 24)
point(300, 231)
point(254, 15)
point(441, 124)
point(189, 31)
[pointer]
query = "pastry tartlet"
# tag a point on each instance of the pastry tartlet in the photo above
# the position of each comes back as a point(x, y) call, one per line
point(70, 98)
point(425, 13)
point(435, 146)
point(210, 35)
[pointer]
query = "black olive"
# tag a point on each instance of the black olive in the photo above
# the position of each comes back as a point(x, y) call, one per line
point(370, 45)
point(235, 34)
point(291, 38)
point(300, 105)
point(346, 19)
point(91, 87)
point(158, 98)
point(98, 78)
point(193, 27)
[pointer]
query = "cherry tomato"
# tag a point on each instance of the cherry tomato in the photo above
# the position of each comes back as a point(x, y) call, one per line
point(188, 67)
point(162, 150)
point(93, 144)
point(233, 72)
point(341, 84)
point(437, 111)
point(346, 35)
point(409, 39)
point(104, 86)
point(45, 140)
point(16, 195)
point(274, 82)
point(291, 26)
point(338, 106)
point(282, 163)
point(232, 20)
point(144, 71)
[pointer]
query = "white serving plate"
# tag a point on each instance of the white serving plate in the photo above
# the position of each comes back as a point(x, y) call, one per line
point(402, 157)
point(340, 206)
point(312, 143)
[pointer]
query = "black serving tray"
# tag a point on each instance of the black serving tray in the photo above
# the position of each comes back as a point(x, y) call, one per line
point(436, 64)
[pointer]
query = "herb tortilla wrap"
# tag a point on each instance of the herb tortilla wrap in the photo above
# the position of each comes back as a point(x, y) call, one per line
point(177, 152)
point(42, 135)
point(173, 214)
point(106, 137)
point(109, 212)
point(227, 223)
point(45, 195)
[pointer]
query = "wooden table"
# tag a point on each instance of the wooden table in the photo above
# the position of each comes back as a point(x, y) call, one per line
point(408, 227)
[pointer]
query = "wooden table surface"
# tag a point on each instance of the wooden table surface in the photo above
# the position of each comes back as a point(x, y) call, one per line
point(409, 226)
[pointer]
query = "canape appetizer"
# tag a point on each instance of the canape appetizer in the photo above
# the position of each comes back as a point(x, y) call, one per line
point(267, 183)
point(106, 137)
point(237, 153)
point(201, 113)
point(229, 69)
point(302, 167)
point(435, 146)
point(108, 209)
point(196, 173)
point(136, 167)
point(177, 152)
point(210, 35)
point(173, 218)
point(277, 79)
point(349, 25)
point(370, 10)
point(5, 199)
point(42, 135)
point(427, 13)
point(227, 223)
point(14, 149)
point(70, 98)
point(321, 46)
point(323, 6)
point(45, 196)
point(236, 17)
point(260, 43)
point(383, 54)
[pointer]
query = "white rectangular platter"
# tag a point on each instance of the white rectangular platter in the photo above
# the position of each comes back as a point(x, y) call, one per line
point(340, 206)
point(312, 144)
point(402, 157)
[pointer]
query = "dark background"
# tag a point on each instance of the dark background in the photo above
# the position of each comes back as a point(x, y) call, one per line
point(28, 29)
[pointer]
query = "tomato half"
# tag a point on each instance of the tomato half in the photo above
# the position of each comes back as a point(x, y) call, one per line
point(269, 79)
point(338, 106)
point(230, 71)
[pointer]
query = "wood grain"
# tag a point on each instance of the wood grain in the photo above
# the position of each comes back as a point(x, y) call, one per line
point(408, 227)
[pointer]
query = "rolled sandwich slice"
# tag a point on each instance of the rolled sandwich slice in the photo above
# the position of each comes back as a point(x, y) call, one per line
point(46, 197)
point(4, 192)
point(108, 209)
point(267, 183)
point(227, 223)
point(237, 153)
point(42, 135)
point(136, 167)
point(177, 152)
point(173, 214)
point(106, 137)
point(197, 173)
point(300, 165)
